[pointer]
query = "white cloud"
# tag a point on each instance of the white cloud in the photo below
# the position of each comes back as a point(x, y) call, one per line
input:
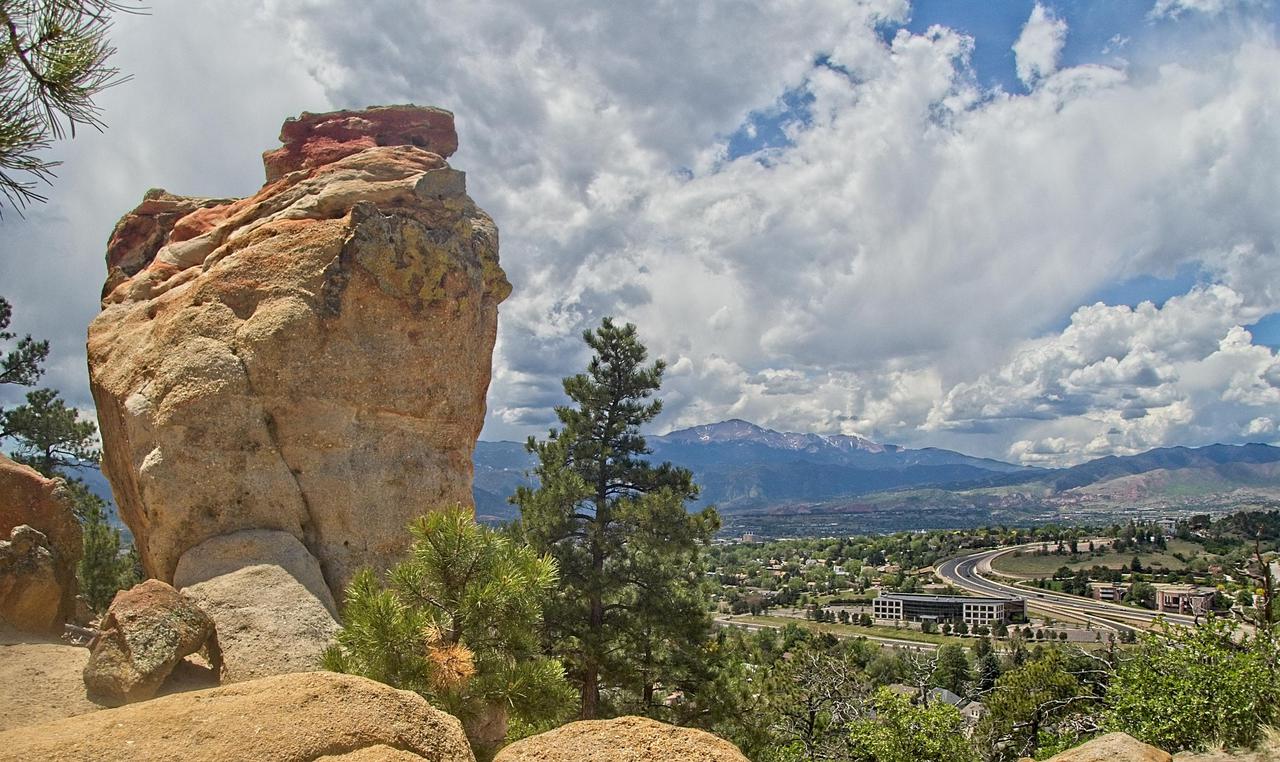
point(1175, 8)
point(1038, 48)
point(884, 274)
point(1120, 380)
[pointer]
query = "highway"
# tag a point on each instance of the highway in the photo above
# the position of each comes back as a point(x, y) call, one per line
point(967, 573)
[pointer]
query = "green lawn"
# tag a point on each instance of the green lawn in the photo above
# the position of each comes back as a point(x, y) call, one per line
point(1030, 565)
point(853, 630)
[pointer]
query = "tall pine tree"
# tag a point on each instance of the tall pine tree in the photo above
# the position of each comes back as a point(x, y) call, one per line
point(629, 614)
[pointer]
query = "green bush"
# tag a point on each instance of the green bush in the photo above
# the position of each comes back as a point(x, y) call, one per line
point(457, 622)
point(1196, 688)
point(903, 732)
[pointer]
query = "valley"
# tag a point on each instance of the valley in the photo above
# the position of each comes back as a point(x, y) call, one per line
point(780, 484)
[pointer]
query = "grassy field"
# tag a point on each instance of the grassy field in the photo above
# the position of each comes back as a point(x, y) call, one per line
point(853, 630)
point(1030, 565)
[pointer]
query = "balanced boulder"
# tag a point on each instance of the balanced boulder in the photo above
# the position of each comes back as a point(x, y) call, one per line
point(266, 595)
point(313, 359)
point(284, 718)
point(624, 739)
point(37, 564)
point(146, 632)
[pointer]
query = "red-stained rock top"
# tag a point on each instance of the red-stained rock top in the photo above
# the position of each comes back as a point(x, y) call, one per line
point(313, 140)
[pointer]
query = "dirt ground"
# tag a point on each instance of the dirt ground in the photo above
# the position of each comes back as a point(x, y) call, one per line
point(41, 681)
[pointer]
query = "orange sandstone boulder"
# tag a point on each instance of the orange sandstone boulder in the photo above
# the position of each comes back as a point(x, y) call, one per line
point(313, 140)
point(624, 739)
point(29, 586)
point(146, 632)
point(37, 567)
point(1113, 747)
point(284, 718)
point(312, 359)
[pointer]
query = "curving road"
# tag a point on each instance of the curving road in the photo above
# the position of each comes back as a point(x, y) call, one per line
point(966, 573)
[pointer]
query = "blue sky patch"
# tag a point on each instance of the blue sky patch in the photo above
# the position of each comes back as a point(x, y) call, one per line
point(1266, 331)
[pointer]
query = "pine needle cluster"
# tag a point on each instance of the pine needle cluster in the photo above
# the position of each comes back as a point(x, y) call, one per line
point(54, 60)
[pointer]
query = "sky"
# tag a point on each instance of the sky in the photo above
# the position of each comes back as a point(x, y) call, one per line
point(1041, 232)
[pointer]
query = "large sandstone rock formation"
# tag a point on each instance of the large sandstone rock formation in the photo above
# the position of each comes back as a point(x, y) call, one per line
point(285, 718)
point(625, 739)
point(1113, 747)
point(312, 359)
point(37, 571)
point(266, 593)
point(146, 632)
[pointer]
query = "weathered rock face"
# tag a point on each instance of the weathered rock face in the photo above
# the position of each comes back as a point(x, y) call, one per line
point(37, 587)
point(290, 718)
point(29, 589)
point(1111, 748)
point(313, 359)
point(265, 593)
point(625, 739)
point(148, 629)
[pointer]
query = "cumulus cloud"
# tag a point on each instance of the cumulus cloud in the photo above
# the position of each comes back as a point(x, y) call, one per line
point(893, 269)
point(1038, 48)
point(1119, 380)
point(1175, 8)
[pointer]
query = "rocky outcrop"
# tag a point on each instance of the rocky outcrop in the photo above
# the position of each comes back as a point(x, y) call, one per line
point(625, 739)
point(287, 718)
point(312, 359)
point(1113, 747)
point(29, 587)
point(37, 567)
point(265, 593)
point(146, 632)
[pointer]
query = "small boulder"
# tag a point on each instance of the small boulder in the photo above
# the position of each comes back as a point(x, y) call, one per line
point(283, 718)
point(265, 593)
point(624, 739)
point(147, 631)
point(27, 498)
point(30, 592)
point(1113, 747)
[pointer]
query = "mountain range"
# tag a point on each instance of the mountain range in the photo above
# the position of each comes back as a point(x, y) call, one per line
point(798, 483)
point(745, 469)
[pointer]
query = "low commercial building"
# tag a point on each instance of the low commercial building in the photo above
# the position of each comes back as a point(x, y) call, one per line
point(909, 607)
point(1108, 591)
point(1184, 599)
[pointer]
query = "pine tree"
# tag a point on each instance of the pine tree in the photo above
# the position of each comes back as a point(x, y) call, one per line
point(20, 365)
point(457, 622)
point(102, 570)
point(53, 63)
point(49, 434)
point(953, 669)
point(630, 611)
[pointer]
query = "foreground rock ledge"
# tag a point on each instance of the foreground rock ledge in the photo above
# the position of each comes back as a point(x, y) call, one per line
point(312, 359)
point(624, 739)
point(1113, 747)
point(297, 717)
